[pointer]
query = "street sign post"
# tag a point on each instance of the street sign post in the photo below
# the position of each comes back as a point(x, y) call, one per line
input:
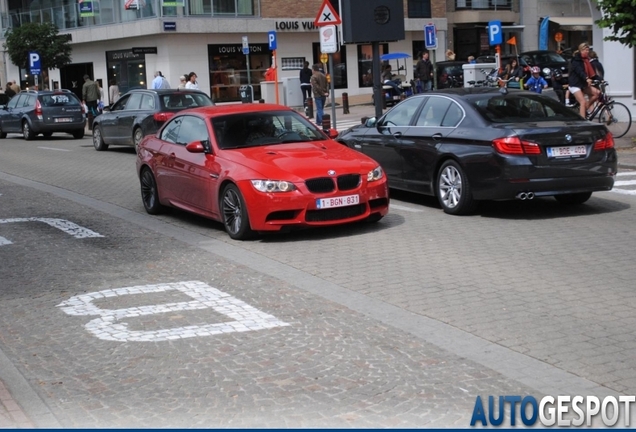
point(246, 51)
point(430, 36)
point(34, 66)
point(271, 39)
point(328, 39)
point(326, 15)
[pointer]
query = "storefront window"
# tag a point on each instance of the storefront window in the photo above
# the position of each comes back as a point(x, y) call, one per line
point(127, 69)
point(339, 65)
point(228, 70)
point(365, 63)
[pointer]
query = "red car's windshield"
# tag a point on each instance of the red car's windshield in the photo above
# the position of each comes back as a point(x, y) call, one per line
point(263, 128)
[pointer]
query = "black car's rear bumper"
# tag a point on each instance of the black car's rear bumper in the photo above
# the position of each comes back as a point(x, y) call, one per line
point(58, 127)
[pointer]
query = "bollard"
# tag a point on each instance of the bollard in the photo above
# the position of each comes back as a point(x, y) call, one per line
point(326, 122)
point(345, 103)
point(309, 108)
point(89, 119)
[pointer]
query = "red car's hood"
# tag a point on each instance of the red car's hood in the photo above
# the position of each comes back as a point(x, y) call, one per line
point(302, 160)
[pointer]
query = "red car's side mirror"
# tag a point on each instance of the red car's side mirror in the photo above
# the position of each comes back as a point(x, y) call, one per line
point(332, 133)
point(195, 147)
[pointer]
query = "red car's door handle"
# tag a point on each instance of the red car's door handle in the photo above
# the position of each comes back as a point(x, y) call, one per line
point(172, 156)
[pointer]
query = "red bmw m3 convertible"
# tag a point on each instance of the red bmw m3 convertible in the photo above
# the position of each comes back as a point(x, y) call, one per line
point(255, 168)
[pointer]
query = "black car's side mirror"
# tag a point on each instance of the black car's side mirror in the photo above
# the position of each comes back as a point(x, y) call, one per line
point(370, 122)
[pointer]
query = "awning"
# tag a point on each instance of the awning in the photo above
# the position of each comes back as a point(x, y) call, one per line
point(573, 23)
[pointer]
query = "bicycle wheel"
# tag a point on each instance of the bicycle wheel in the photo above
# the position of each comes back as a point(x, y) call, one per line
point(617, 118)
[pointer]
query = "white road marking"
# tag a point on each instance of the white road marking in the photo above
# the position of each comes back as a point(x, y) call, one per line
point(4, 241)
point(624, 191)
point(68, 227)
point(404, 208)
point(626, 173)
point(625, 183)
point(53, 148)
point(243, 317)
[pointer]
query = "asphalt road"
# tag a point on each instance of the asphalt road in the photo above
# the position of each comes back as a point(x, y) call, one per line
point(110, 317)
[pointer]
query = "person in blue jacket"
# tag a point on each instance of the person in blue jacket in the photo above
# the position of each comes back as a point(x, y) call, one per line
point(536, 83)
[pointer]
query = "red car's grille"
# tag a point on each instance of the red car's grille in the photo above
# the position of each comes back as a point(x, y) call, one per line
point(325, 184)
point(335, 213)
point(348, 181)
point(320, 185)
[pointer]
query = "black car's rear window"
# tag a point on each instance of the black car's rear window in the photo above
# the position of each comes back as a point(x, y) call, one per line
point(179, 101)
point(520, 107)
point(59, 99)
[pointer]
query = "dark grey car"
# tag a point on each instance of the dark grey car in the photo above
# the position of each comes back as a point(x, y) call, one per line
point(142, 112)
point(32, 112)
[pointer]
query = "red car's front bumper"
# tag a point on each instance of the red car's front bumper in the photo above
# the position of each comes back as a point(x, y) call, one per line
point(273, 211)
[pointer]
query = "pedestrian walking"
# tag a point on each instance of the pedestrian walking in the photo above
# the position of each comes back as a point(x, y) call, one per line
point(192, 81)
point(423, 73)
point(113, 92)
point(160, 82)
point(9, 91)
point(305, 82)
point(15, 87)
point(90, 96)
point(320, 90)
point(182, 82)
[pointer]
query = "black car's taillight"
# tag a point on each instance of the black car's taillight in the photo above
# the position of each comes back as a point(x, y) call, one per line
point(513, 145)
point(162, 116)
point(605, 143)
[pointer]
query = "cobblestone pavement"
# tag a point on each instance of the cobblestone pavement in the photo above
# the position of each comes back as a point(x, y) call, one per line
point(400, 324)
point(328, 367)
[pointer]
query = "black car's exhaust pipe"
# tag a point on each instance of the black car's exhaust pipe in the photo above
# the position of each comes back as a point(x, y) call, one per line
point(525, 195)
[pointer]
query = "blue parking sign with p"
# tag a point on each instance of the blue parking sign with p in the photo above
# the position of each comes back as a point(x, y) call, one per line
point(271, 38)
point(495, 36)
point(34, 62)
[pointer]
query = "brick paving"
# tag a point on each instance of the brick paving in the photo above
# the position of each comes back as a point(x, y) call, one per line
point(522, 298)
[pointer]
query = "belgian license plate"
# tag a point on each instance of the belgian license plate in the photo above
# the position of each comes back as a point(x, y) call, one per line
point(567, 151)
point(343, 201)
point(63, 120)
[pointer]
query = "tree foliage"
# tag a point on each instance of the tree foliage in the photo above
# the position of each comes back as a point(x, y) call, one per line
point(54, 49)
point(620, 17)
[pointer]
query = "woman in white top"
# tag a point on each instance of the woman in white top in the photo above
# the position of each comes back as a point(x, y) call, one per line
point(192, 81)
point(113, 92)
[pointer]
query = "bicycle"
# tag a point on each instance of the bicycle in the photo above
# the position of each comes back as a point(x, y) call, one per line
point(492, 80)
point(614, 115)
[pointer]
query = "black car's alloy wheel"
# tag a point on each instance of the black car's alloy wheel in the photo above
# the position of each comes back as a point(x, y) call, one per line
point(27, 132)
point(453, 190)
point(234, 212)
point(98, 141)
point(150, 193)
point(138, 135)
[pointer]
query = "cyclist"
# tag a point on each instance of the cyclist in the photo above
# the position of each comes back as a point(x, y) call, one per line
point(580, 79)
point(536, 83)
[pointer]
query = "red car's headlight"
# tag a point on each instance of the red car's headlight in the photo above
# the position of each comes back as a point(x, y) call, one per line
point(273, 185)
point(375, 175)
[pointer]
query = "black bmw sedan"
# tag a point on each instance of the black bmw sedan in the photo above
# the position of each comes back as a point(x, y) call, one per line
point(142, 112)
point(472, 144)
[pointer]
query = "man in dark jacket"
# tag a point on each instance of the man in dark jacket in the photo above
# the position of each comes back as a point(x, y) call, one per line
point(424, 73)
point(305, 82)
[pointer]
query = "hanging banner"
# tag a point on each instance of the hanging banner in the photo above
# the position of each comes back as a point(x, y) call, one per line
point(543, 33)
point(134, 4)
point(173, 3)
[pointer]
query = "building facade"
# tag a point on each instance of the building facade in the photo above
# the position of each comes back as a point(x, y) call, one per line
point(128, 40)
